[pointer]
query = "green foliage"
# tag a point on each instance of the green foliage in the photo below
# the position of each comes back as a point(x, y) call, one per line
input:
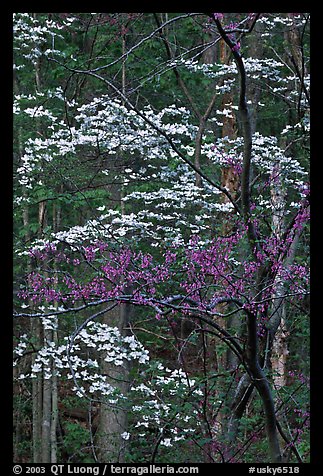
point(75, 443)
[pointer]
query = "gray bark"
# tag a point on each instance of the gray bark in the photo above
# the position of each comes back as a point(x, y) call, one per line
point(47, 382)
point(46, 417)
point(277, 323)
point(113, 419)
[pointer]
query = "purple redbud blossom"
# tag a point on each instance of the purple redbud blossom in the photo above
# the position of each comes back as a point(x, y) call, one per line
point(218, 16)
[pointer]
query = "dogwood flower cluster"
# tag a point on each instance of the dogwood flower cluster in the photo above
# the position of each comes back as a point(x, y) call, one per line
point(266, 72)
point(118, 130)
point(106, 127)
point(156, 393)
point(97, 338)
point(271, 22)
point(33, 38)
point(165, 393)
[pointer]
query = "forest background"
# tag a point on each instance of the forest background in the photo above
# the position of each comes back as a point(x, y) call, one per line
point(161, 236)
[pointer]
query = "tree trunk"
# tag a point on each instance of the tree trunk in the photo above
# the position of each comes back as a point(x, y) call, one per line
point(252, 351)
point(261, 383)
point(47, 411)
point(113, 419)
point(230, 181)
point(278, 311)
point(37, 388)
point(47, 381)
point(44, 387)
point(54, 402)
point(245, 387)
point(37, 400)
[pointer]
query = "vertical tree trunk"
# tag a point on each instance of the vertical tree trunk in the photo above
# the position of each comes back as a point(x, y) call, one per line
point(54, 401)
point(295, 53)
point(230, 181)
point(252, 349)
point(44, 386)
point(36, 391)
point(113, 419)
point(47, 382)
point(37, 398)
point(261, 383)
point(277, 325)
point(47, 409)
point(245, 387)
point(278, 310)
